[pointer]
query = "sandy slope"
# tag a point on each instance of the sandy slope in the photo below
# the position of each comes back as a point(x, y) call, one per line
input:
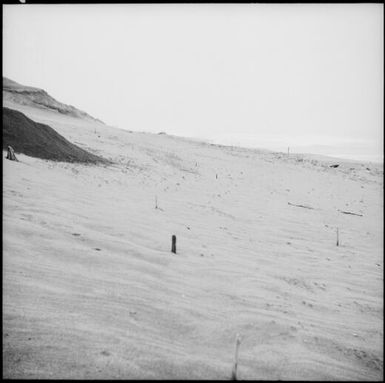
point(91, 290)
point(16, 93)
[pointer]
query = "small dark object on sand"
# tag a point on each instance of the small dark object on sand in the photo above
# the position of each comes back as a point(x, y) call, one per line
point(334, 166)
point(305, 207)
point(349, 212)
point(11, 154)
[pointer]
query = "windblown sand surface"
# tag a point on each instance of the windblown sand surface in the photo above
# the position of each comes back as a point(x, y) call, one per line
point(91, 289)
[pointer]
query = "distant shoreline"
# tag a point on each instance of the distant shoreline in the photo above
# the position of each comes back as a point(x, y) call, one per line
point(358, 158)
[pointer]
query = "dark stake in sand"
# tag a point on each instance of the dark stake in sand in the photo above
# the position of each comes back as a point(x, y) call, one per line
point(173, 244)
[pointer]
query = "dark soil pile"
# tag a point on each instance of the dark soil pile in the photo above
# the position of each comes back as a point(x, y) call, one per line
point(40, 140)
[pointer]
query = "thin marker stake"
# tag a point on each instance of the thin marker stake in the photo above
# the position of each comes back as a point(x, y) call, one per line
point(235, 368)
point(173, 244)
point(338, 239)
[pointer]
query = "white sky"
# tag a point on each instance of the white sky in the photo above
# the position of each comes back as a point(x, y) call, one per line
point(259, 75)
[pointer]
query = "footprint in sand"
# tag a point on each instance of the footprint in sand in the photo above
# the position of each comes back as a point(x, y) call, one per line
point(26, 217)
point(307, 304)
point(300, 283)
point(273, 330)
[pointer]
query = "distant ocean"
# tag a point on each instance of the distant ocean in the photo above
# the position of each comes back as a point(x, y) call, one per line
point(346, 148)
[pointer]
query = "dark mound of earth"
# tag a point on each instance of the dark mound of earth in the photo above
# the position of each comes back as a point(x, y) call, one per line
point(40, 140)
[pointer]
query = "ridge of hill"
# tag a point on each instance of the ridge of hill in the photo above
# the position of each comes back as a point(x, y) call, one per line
point(27, 95)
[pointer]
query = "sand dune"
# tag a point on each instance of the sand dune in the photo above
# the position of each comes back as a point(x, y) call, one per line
point(16, 93)
point(91, 289)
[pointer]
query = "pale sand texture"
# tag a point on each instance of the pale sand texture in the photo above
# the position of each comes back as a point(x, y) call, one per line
point(247, 262)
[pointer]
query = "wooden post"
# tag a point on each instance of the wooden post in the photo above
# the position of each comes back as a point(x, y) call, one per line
point(156, 202)
point(235, 367)
point(173, 244)
point(11, 154)
point(338, 239)
point(216, 176)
